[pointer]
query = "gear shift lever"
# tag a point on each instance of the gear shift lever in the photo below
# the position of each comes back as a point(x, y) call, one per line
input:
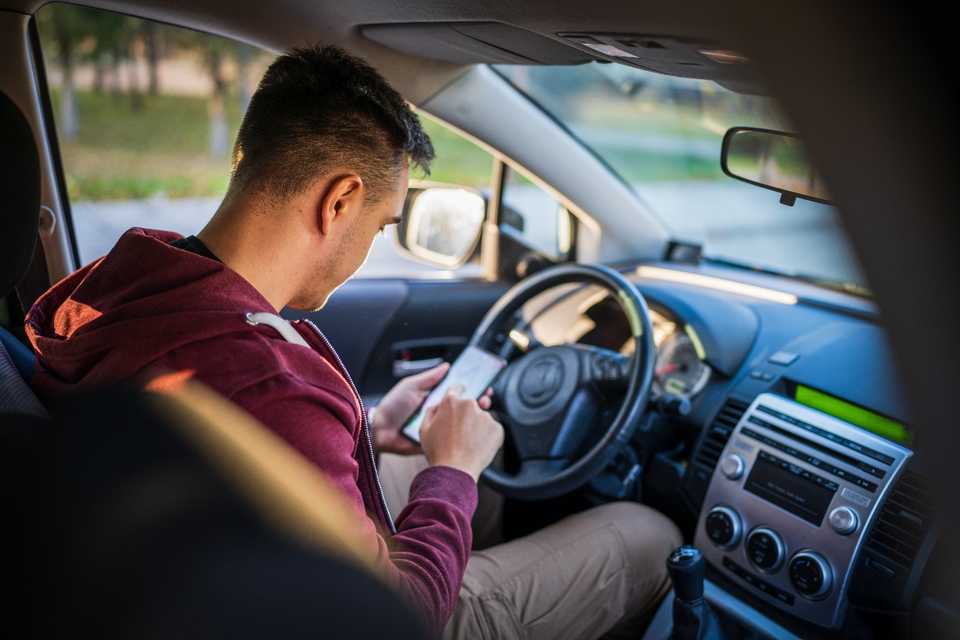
point(686, 568)
point(692, 617)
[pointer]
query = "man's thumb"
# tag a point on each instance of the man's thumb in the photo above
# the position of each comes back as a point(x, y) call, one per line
point(429, 378)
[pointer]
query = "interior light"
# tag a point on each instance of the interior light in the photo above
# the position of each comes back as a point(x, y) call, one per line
point(724, 56)
point(608, 50)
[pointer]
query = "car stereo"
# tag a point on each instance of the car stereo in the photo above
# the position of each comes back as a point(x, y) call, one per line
point(790, 503)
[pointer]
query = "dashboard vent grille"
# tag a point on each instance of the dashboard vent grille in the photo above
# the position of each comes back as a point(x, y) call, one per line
point(903, 522)
point(705, 456)
point(895, 550)
point(719, 432)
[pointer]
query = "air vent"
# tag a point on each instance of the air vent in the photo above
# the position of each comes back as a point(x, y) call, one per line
point(713, 442)
point(903, 522)
point(708, 451)
point(896, 548)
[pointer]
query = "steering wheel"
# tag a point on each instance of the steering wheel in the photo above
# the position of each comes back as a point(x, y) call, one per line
point(551, 396)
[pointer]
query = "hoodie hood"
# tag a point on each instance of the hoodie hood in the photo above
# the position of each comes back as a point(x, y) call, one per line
point(113, 318)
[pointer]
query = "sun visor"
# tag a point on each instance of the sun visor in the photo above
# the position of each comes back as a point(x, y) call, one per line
point(475, 42)
point(498, 43)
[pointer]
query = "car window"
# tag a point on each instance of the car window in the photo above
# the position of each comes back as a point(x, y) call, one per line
point(535, 216)
point(146, 115)
point(663, 136)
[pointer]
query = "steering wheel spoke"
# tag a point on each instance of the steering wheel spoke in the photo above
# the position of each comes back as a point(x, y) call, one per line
point(558, 436)
point(536, 470)
point(603, 368)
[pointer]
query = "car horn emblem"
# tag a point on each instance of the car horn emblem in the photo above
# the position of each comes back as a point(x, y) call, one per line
point(541, 381)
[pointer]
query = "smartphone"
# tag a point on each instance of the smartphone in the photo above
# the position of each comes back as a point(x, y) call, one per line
point(474, 370)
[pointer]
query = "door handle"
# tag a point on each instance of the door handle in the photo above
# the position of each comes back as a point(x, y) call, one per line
point(404, 368)
point(416, 356)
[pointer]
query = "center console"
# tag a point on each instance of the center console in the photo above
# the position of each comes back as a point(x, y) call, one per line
point(790, 503)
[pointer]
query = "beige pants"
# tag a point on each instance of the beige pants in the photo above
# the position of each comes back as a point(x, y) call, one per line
point(595, 572)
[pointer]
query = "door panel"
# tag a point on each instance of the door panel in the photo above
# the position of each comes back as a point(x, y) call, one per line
point(384, 328)
point(355, 317)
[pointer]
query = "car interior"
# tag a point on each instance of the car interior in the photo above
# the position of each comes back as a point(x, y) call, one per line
point(795, 424)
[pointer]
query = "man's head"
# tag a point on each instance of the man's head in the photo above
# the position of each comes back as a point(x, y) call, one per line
point(325, 146)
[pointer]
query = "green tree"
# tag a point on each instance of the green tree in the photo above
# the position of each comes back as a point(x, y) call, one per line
point(151, 43)
point(214, 54)
point(66, 27)
point(105, 28)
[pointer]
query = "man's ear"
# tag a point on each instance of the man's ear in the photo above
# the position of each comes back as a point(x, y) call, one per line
point(343, 196)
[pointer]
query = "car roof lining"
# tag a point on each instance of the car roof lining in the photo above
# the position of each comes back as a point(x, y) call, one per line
point(422, 46)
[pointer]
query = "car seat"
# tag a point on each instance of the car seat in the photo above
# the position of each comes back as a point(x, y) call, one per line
point(20, 195)
point(141, 514)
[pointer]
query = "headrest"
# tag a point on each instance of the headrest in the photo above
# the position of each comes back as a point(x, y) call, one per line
point(19, 195)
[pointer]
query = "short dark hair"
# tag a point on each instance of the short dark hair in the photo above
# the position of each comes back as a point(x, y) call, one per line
point(321, 107)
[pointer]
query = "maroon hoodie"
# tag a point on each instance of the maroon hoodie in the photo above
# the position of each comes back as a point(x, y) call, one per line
point(149, 305)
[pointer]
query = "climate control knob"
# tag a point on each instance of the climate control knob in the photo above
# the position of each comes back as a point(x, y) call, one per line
point(723, 527)
point(765, 549)
point(732, 466)
point(810, 574)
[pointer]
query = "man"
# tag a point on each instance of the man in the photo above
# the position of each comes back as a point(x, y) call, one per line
point(320, 166)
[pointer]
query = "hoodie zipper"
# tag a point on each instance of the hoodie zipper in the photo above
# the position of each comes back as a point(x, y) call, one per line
point(363, 423)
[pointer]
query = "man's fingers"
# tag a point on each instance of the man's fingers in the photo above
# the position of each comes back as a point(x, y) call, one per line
point(428, 379)
point(428, 413)
point(486, 400)
point(408, 448)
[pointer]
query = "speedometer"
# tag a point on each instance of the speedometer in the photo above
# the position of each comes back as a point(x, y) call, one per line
point(680, 371)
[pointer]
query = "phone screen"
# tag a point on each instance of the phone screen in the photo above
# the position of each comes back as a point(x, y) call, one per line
point(474, 370)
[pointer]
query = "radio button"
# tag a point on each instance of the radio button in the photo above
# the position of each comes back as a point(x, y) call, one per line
point(844, 520)
point(732, 466)
point(811, 575)
point(765, 549)
point(723, 527)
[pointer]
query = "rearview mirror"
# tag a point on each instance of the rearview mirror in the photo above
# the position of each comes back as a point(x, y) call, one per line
point(773, 160)
point(441, 224)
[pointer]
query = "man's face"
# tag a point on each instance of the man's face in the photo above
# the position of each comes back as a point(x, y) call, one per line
point(352, 239)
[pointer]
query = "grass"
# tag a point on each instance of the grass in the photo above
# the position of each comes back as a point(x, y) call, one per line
point(639, 166)
point(165, 123)
point(644, 117)
point(162, 149)
point(120, 153)
point(458, 161)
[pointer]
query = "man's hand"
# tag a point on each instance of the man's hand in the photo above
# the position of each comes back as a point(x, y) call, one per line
point(400, 403)
point(457, 432)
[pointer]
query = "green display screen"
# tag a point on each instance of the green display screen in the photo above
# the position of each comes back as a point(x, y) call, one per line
point(863, 418)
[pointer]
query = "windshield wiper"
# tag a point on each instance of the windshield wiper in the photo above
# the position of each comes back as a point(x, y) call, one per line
point(851, 288)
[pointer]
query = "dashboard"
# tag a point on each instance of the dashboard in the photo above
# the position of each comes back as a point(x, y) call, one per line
point(796, 471)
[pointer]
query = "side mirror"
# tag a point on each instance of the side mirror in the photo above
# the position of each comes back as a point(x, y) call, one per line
point(773, 160)
point(441, 223)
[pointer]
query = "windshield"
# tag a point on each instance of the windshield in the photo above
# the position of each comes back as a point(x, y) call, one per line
point(662, 135)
